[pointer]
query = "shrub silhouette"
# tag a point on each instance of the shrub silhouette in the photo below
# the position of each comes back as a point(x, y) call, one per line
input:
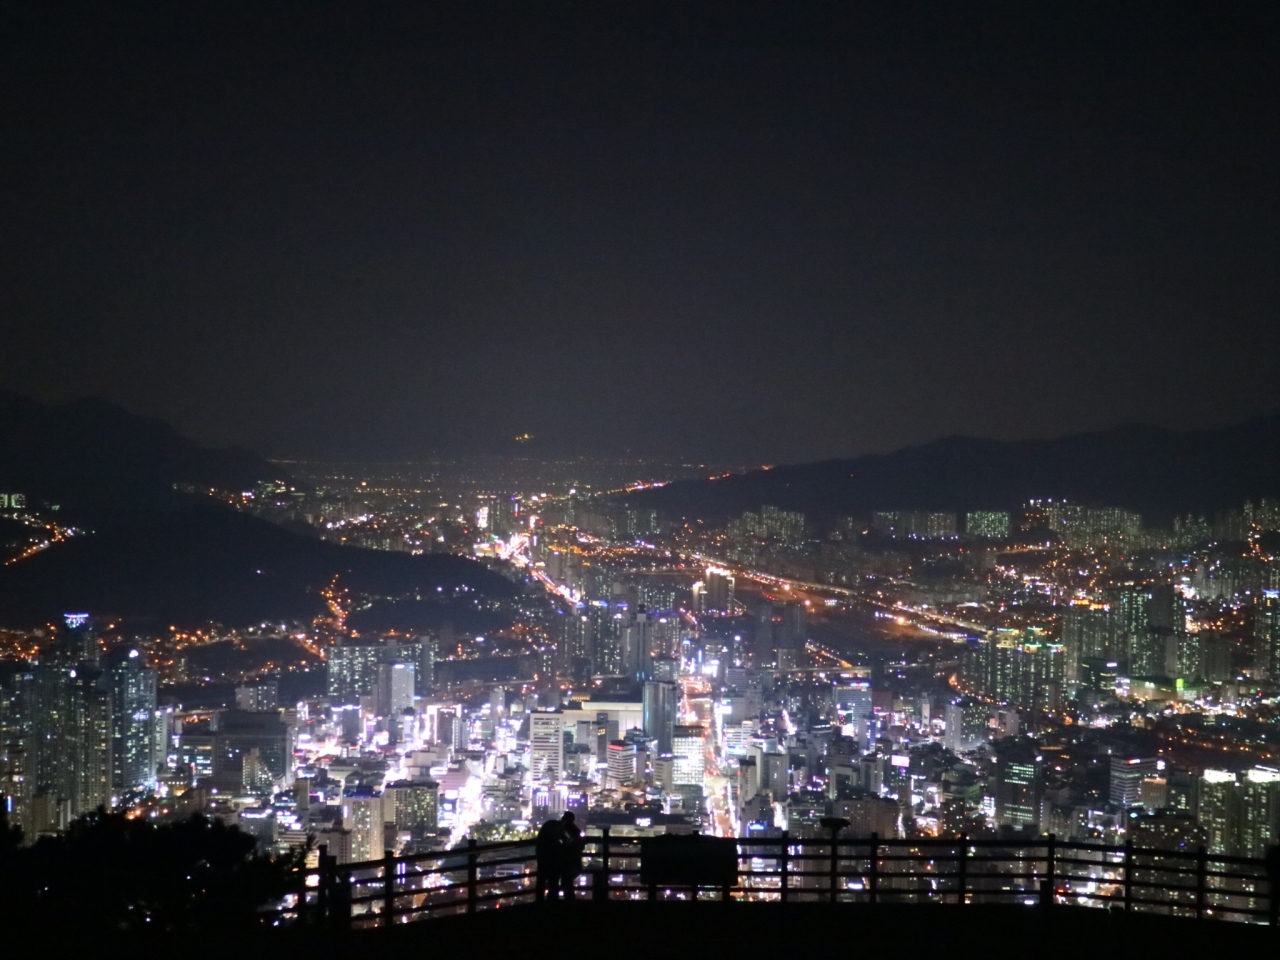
point(111, 872)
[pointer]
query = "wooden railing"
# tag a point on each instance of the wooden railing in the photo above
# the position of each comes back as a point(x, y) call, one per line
point(1046, 873)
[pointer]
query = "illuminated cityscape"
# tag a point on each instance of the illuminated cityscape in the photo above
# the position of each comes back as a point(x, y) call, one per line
point(805, 456)
point(1049, 669)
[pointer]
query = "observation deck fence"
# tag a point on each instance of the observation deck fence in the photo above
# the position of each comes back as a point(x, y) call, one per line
point(1045, 873)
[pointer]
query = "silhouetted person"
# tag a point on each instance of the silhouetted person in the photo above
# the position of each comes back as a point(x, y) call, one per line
point(549, 849)
point(571, 854)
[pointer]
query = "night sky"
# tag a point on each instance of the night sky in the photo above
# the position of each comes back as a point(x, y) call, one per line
point(746, 233)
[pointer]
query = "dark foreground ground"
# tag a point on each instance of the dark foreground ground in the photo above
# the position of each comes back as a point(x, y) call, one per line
point(641, 930)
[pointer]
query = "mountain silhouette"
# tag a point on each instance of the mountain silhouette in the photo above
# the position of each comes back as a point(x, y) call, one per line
point(1159, 473)
point(200, 562)
point(91, 456)
point(154, 555)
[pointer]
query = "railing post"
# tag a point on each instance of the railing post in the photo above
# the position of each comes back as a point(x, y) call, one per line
point(962, 870)
point(388, 886)
point(873, 869)
point(784, 868)
point(600, 892)
point(341, 896)
point(1046, 884)
point(472, 890)
point(1273, 885)
point(835, 865)
point(323, 890)
point(1202, 880)
point(1128, 873)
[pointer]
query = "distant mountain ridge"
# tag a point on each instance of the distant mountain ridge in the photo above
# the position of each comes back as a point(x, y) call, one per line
point(1159, 473)
point(94, 455)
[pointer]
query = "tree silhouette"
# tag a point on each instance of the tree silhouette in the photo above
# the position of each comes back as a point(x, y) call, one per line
point(115, 872)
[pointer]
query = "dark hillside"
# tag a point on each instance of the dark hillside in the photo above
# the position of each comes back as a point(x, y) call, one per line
point(1160, 473)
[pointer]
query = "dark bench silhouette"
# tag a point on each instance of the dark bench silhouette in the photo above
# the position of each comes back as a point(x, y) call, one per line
point(689, 861)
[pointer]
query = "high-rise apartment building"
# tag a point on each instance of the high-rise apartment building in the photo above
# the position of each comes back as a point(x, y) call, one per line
point(1100, 526)
point(1259, 822)
point(134, 760)
point(1266, 631)
point(353, 671)
point(258, 697)
point(1021, 668)
point(1088, 631)
point(1240, 813)
point(1133, 643)
point(914, 524)
point(987, 524)
point(414, 807)
point(65, 721)
point(362, 814)
point(1218, 810)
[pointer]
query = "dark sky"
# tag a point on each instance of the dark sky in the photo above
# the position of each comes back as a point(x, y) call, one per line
point(746, 232)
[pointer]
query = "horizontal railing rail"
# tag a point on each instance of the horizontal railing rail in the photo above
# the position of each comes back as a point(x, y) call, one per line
point(1045, 872)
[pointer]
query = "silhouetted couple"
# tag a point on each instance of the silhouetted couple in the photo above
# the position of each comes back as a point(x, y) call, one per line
point(559, 852)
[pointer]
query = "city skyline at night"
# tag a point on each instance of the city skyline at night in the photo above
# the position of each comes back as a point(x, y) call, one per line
point(739, 477)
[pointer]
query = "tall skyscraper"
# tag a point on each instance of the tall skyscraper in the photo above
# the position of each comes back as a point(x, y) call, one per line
point(658, 713)
point(1266, 631)
point(1154, 651)
point(132, 686)
point(689, 750)
point(395, 689)
point(636, 643)
point(607, 620)
point(718, 594)
point(852, 698)
point(425, 677)
point(1127, 775)
point(546, 742)
point(622, 763)
point(75, 643)
point(1019, 785)
point(1218, 810)
point(66, 725)
point(1149, 623)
